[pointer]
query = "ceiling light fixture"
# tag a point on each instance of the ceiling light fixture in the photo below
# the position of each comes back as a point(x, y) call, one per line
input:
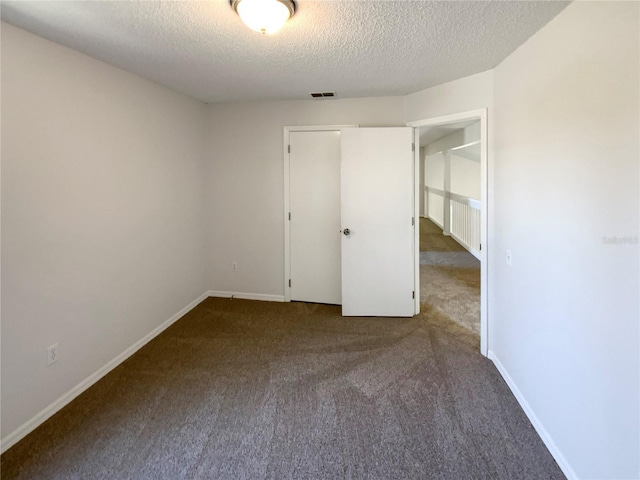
point(265, 16)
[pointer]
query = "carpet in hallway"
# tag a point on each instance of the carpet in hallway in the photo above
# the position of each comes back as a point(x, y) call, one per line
point(432, 239)
point(449, 278)
point(241, 389)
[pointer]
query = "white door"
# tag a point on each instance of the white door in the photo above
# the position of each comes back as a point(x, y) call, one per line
point(377, 221)
point(314, 179)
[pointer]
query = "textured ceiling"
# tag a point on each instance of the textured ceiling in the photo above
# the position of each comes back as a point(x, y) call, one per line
point(354, 47)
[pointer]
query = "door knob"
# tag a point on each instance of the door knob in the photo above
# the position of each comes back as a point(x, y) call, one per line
point(346, 232)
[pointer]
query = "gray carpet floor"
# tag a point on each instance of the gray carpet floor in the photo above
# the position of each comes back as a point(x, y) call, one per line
point(449, 278)
point(240, 389)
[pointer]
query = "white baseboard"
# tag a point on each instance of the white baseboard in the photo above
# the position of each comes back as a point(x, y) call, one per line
point(468, 248)
point(247, 296)
point(44, 414)
point(544, 434)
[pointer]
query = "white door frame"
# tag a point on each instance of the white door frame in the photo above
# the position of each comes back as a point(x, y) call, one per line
point(484, 215)
point(287, 192)
point(416, 219)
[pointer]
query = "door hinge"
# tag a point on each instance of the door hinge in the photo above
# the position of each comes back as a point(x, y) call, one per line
point(413, 147)
point(289, 216)
point(288, 148)
point(413, 221)
point(289, 283)
point(413, 294)
point(480, 247)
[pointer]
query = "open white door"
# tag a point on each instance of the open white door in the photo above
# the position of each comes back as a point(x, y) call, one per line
point(377, 222)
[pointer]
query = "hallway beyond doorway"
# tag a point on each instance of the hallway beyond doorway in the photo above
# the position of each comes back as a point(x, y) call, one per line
point(449, 278)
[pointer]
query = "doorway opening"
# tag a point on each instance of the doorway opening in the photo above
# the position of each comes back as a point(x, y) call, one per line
point(455, 203)
point(451, 186)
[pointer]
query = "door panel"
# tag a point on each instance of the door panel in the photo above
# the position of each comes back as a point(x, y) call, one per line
point(377, 208)
point(314, 176)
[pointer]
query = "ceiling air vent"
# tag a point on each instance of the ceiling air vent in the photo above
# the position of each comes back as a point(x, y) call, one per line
point(323, 94)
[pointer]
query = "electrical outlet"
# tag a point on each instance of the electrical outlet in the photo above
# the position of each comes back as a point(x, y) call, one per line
point(52, 354)
point(509, 257)
point(234, 266)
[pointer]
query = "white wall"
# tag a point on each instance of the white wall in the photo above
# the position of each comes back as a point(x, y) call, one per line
point(563, 176)
point(434, 178)
point(464, 170)
point(455, 139)
point(463, 95)
point(102, 216)
point(565, 316)
point(434, 170)
point(245, 183)
point(465, 176)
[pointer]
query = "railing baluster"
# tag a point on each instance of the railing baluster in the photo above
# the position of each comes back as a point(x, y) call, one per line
point(464, 217)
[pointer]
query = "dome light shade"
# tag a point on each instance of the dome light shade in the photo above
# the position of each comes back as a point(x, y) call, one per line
point(265, 16)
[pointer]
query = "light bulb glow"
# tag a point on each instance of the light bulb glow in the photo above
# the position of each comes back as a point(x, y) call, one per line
point(266, 16)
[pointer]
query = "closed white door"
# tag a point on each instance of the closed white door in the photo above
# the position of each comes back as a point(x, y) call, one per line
point(377, 203)
point(314, 179)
